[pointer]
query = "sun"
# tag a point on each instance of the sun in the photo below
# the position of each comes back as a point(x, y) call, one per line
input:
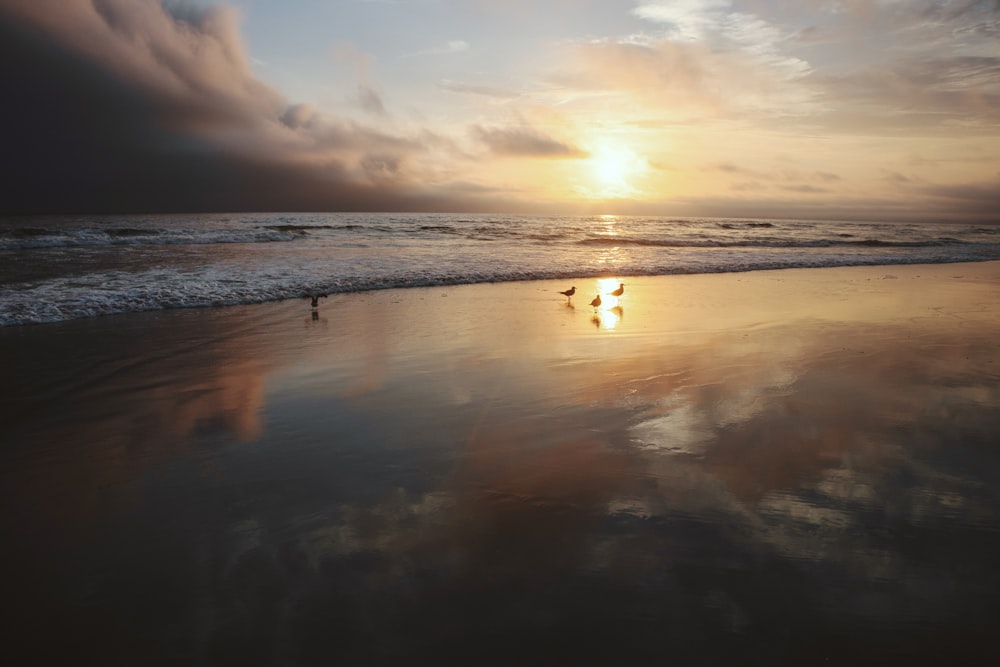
point(611, 165)
point(614, 168)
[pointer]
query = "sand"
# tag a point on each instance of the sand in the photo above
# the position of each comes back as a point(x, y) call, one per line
point(781, 467)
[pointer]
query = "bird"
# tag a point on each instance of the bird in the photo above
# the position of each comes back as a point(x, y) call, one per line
point(315, 299)
point(569, 293)
point(620, 290)
point(596, 303)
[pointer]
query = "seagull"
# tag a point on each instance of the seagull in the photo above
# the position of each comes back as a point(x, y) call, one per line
point(620, 290)
point(569, 293)
point(596, 303)
point(315, 299)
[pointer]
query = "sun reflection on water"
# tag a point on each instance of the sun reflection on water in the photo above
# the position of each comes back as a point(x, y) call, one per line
point(605, 287)
point(609, 318)
point(609, 222)
point(609, 313)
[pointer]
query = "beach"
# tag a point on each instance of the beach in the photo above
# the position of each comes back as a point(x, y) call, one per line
point(772, 467)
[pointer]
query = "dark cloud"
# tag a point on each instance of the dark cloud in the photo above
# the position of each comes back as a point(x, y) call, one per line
point(370, 100)
point(524, 141)
point(788, 175)
point(805, 189)
point(896, 178)
point(947, 203)
point(123, 105)
point(298, 115)
point(735, 169)
point(982, 199)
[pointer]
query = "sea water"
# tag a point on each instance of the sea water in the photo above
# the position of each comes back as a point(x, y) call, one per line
point(61, 268)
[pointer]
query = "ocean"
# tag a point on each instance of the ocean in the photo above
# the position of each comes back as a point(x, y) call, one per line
point(62, 268)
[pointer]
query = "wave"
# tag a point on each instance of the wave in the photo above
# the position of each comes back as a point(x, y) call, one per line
point(305, 229)
point(30, 238)
point(777, 243)
point(746, 225)
point(121, 292)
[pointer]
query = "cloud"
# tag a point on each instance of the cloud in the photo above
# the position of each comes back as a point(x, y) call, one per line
point(298, 115)
point(370, 100)
point(793, 180)
point(918, 64)
point(688, 19)
point(913, 65)
point(922, 92)
point(706, 62)
point(453, 46)
point(474, 89)
point(143, 105)
point(805, 189)
point(977, 200)
point(715, 24)
point(524, 141)
point(737, 170)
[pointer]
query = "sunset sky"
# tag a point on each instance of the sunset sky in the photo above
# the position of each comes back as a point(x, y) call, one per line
point(871, 109)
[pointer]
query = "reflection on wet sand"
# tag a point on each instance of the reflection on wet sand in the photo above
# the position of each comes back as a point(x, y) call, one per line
point(608, 318)
point(93, 414)
point(741, 488)
point(118, 406)
point(413, 483)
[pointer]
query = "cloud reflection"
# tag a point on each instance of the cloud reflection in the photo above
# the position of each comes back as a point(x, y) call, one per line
point(791, 448)
point(128, 405)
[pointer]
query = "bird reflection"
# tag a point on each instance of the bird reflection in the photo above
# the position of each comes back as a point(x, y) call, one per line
point(608, 318)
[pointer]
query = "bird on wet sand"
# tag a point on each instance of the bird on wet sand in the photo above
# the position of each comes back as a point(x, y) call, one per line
point(596, 303)
point(315, 299)
point(569, 293)
point(620, 290)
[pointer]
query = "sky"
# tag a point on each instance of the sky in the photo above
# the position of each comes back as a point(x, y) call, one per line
point(828, 109)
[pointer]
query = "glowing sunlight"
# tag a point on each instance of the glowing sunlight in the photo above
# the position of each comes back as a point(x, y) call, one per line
point(614, 168)
point(607, 287)
point(609, 312)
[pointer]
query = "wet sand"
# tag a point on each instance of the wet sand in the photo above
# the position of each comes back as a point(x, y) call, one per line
point(784, 467)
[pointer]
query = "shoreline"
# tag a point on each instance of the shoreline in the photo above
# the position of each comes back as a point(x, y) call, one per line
point(769, 467)
point(589, 279)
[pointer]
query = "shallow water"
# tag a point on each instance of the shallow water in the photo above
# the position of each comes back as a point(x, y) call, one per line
point(729, 472)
